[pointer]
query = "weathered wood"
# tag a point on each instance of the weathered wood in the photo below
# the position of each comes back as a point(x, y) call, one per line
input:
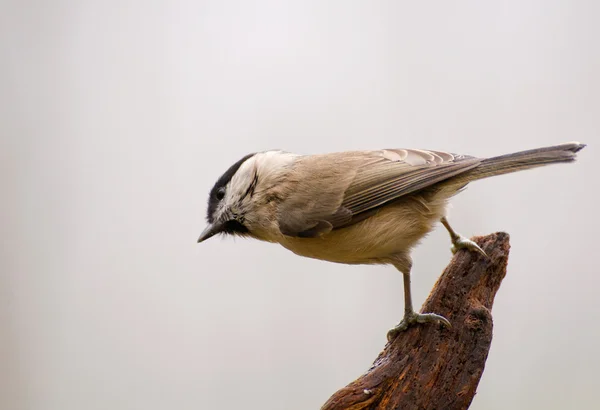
point(428, 366)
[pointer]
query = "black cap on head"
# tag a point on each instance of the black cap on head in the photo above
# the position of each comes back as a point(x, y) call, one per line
point(214, 197)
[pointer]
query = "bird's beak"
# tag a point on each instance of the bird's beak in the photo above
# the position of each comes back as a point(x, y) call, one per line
point(210, 231)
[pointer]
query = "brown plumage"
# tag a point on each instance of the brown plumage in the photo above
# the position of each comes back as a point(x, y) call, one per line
point(357, 207)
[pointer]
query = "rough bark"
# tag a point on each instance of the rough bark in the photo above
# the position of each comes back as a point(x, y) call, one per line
point(429, 366)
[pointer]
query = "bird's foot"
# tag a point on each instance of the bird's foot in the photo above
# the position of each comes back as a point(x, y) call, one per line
point(460, 242)
point(412, 318)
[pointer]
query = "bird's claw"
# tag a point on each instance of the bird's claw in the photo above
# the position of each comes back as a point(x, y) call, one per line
point(410, 319)
point(460, 242)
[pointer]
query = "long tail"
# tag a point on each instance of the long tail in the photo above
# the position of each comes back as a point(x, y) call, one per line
point(519, 161)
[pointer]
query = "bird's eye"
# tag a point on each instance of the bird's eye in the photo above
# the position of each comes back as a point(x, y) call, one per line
point(220, 194)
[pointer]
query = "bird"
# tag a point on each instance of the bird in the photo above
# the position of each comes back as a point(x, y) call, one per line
point(357, 207)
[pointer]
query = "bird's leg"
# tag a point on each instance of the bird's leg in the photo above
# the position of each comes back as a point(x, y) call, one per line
point(459, 241)
point(410, 316)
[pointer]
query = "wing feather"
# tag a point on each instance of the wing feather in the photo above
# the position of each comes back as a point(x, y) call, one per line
point(351, 185)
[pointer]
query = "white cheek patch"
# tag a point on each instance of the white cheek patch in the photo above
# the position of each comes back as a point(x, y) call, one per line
point(265, 167)
point(241, 182)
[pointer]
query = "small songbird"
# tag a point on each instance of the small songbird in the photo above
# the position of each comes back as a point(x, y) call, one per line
point(357, 207)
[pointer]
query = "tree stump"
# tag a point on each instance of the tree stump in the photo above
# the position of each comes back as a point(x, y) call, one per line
point(429, 366)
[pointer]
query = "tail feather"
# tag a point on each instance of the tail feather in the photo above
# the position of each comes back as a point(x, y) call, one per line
point(519, 161)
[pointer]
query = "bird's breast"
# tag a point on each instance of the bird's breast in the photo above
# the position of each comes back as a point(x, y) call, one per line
point(394, 230)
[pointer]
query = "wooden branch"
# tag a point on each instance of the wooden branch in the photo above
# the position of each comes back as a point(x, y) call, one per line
point(428, 366)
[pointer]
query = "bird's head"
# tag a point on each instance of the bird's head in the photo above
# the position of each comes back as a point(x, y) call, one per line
point(240, 202)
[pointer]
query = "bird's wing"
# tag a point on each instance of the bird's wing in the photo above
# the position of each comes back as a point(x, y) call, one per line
point(344, 187)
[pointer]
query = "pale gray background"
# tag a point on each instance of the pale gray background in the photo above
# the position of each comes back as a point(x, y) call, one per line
point(117, 118)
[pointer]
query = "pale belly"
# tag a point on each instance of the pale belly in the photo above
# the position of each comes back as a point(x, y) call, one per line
point(392, 232)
